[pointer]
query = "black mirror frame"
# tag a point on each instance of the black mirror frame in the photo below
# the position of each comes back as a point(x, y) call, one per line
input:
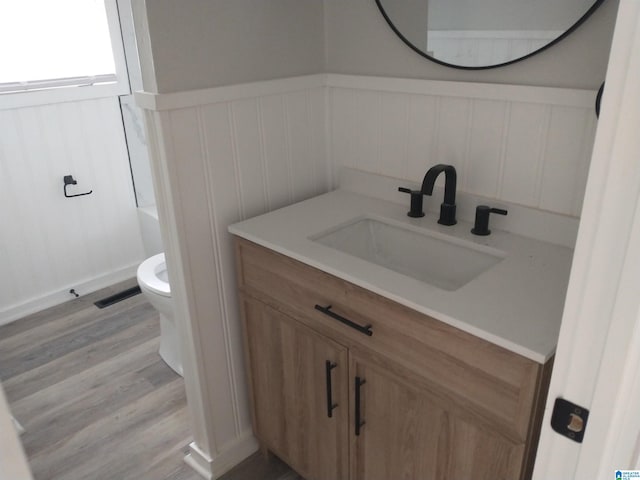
point(573, 27)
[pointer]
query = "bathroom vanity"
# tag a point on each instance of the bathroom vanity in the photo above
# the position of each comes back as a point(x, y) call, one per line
point(361, 369)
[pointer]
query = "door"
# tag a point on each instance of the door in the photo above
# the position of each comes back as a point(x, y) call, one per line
point(299, 386)
point(408, 433)
point(598, 349)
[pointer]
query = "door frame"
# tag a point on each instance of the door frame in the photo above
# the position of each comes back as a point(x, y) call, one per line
point(598, 357)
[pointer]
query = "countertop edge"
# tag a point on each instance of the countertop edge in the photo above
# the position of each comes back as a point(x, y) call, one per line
point(453, 322)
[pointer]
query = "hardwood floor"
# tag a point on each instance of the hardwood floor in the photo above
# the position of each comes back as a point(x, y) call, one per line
point(95, 398)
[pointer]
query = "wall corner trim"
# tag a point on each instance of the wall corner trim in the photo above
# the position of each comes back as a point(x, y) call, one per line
point(195, 98)
point(569, 97)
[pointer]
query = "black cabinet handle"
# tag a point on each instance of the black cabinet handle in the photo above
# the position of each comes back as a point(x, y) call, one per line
point(358, 420)
point(366, 329)
point(330, 405)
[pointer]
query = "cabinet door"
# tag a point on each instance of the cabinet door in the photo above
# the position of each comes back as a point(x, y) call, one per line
point(409, 433)
point(290, 381)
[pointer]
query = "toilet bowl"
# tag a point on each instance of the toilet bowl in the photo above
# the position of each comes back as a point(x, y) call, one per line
point(154, 283)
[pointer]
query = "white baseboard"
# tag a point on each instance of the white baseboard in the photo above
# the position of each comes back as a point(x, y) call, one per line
point(19, 428)
point(237, 451)
point(231, 456)
point(62, 295)
point(199, 461)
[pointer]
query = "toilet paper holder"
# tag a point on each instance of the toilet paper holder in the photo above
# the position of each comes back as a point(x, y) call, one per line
point(69, 180)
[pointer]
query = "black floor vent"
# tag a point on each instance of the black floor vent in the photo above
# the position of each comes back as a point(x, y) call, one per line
point(118, 297)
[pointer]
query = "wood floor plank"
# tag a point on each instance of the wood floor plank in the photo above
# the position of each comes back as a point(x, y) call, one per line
point(62, 394)
point(76, 340)
point(52, 327)
point(92, 406)
point(97, 401)
point(154, 448)
point(109, 440)
point(42, 317)
point(77, 361)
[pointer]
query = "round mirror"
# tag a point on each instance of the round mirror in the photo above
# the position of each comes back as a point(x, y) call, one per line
point(478, 34)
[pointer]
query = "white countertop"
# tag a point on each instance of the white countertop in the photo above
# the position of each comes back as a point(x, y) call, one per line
point(517, 304)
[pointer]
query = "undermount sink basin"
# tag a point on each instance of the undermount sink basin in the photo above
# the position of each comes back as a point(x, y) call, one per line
point(439, 260)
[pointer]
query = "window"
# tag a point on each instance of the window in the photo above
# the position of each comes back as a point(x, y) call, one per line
point(53, 44)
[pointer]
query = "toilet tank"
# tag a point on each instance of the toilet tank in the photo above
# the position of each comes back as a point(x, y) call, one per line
point(150, 229)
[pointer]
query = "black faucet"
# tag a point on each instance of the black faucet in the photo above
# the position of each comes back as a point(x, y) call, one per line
point(448, 207)
point(481, 226)
point(416, 202)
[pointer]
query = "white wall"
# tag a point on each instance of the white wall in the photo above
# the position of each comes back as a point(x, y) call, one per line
point(221, 155)
point(229, 153)
point(209, 43)
point(359, 42)
point(50, 243)
point(411, 18)
point(525, 145)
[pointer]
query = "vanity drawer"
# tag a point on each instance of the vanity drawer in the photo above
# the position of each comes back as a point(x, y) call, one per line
point(468, 373)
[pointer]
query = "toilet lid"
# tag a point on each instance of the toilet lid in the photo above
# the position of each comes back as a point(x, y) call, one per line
point(152, 274)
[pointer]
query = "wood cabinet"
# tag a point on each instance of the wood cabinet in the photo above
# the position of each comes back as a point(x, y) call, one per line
point(289, 383)
point(416, 398)
point(411, 434)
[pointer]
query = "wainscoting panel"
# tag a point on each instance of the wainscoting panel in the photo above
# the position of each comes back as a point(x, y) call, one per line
point(50, 243)
point(526, 145)
point(277, 163)
point(569, 142)
point(423, 111)
point(225, 154)
point(521, 178)
point(258, 154)
point(233, 154)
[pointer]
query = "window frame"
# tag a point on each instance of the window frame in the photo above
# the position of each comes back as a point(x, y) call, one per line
point(57, 92)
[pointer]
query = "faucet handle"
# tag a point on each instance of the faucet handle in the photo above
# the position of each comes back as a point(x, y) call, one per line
point(416, 202)
point(481, 226)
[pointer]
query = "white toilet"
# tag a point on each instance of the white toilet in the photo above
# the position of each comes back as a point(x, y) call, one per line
point(154, 283)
